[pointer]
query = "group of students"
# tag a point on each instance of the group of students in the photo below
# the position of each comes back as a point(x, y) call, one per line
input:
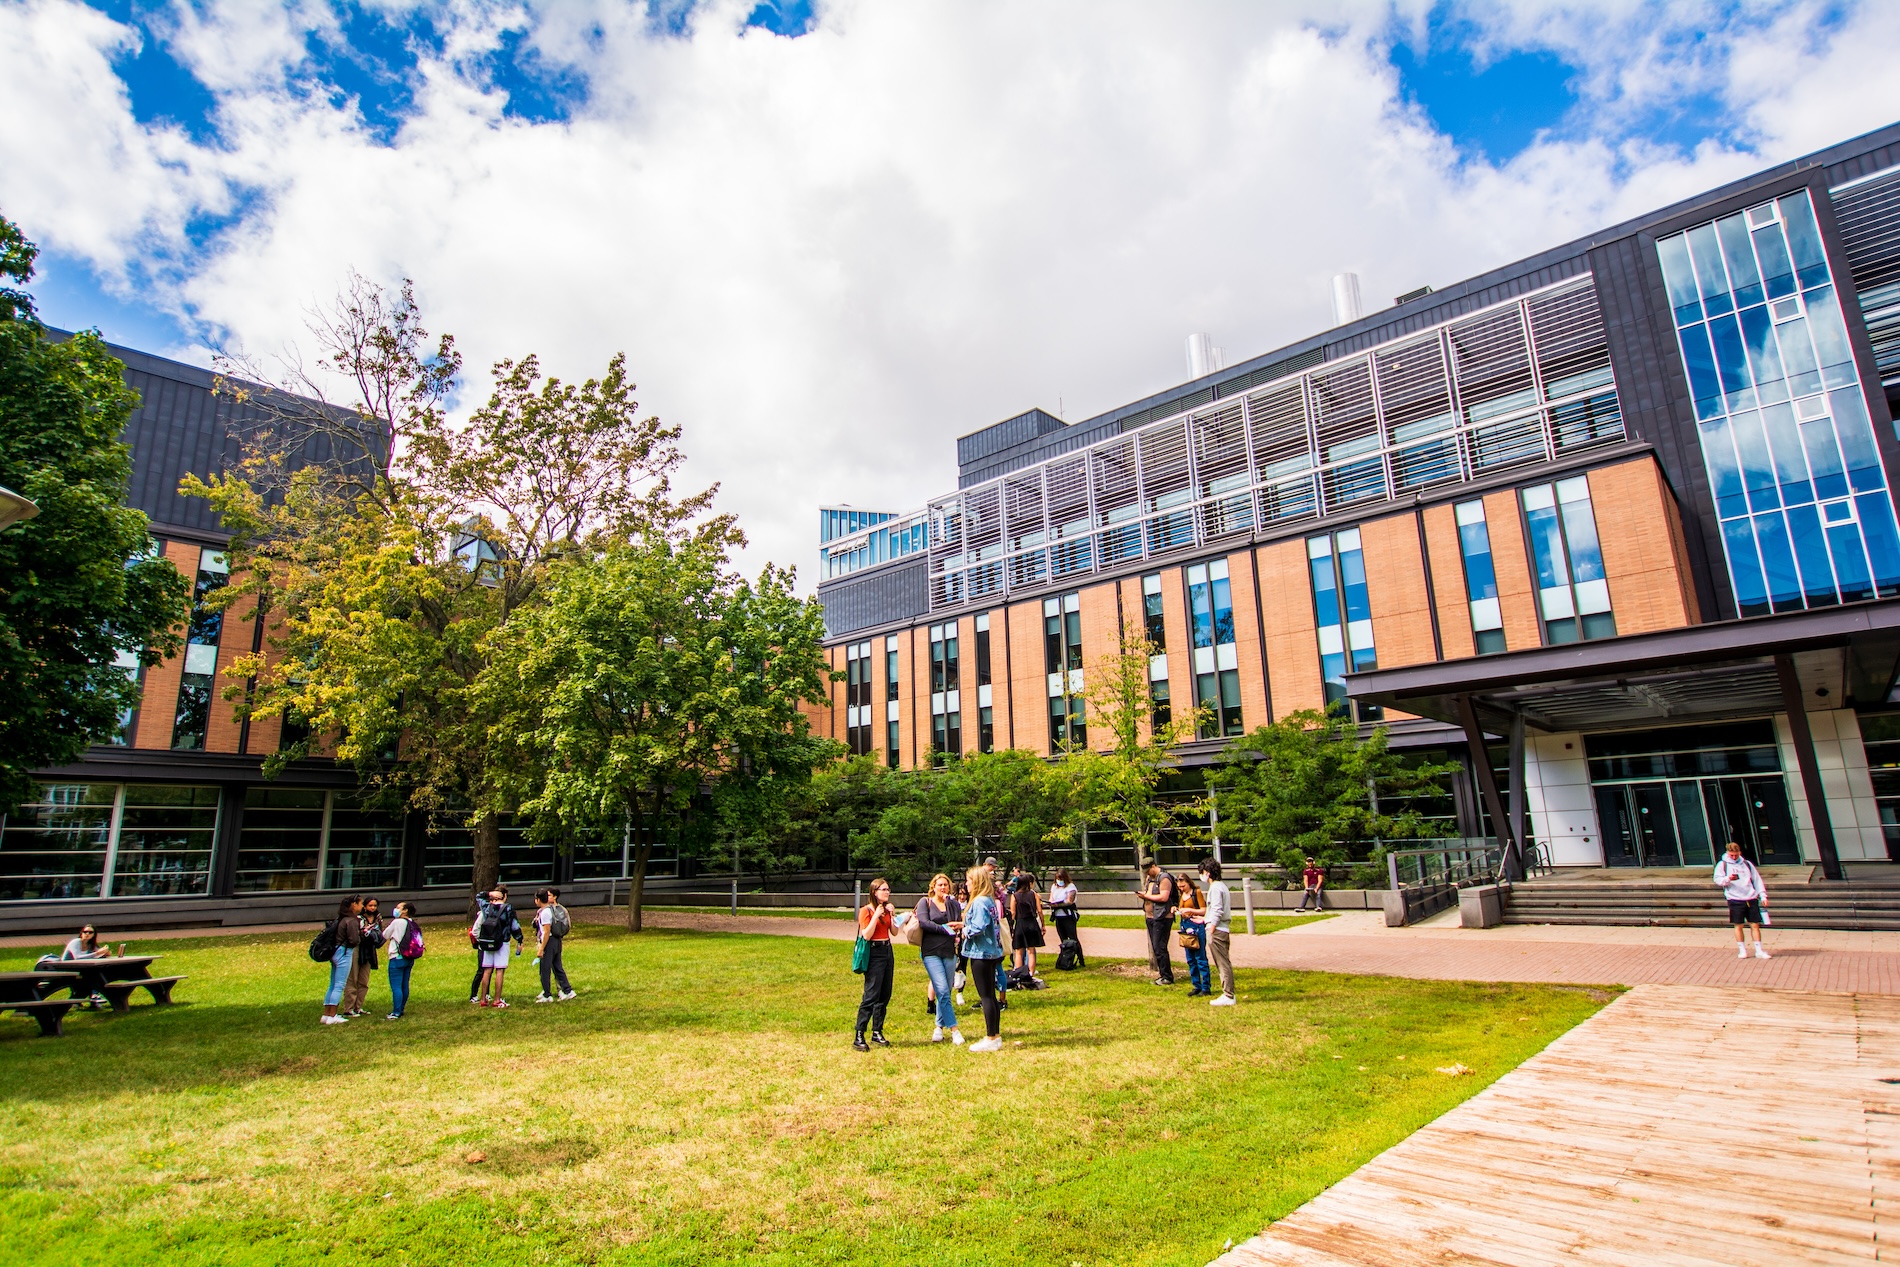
point(959, 935)
point(350, 942)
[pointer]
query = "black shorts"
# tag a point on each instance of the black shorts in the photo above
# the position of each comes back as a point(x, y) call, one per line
point(1748, 912)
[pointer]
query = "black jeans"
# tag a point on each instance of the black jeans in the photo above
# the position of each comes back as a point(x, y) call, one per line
point(1065, 927)
point(1158, 933)
point(551, 966)
point(983, 972)
point(877, 988)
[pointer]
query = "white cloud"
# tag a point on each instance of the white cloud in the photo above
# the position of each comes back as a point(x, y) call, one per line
point(829, 256)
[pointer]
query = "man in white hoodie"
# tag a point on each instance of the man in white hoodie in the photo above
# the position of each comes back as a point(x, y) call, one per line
point(1742, 885)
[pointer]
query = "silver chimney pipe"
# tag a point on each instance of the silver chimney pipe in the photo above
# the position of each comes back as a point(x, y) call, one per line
point(1346, 303)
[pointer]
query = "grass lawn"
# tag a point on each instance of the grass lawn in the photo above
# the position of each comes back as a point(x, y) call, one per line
point(782, 912)
point(1264, 922)
point(699, 1103)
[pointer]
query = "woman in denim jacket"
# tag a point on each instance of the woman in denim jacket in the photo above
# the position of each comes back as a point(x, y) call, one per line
point(983, 947)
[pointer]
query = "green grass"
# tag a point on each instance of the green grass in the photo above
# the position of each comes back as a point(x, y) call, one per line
point(1264, 923)
point(776, 912)
point(699, 1103)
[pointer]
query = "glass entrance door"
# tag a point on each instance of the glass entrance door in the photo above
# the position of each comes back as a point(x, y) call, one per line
point(1685, 822)
point(1754, 813)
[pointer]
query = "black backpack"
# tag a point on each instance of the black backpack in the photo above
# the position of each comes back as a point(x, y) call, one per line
point(493, 932)
point(323, 945)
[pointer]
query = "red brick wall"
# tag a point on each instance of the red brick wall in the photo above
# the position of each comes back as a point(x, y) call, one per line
point(1395, 585)
point(158, 703)
point(1640, 537)
point(1448, 582)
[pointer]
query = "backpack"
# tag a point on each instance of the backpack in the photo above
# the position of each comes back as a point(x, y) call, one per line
point(323, 945)
point(492, 933)
point(559, 924)
point(412, 941)
point(1071, 956)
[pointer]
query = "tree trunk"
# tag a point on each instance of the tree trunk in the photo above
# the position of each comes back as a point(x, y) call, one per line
point(636, 891)
point(487, 853)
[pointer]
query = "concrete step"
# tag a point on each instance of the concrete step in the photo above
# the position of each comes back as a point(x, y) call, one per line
point(1842, 906)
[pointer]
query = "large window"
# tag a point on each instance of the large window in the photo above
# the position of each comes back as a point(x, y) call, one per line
point(109, 840)
point(1342, 610)
point(946, 696)
point(857, 697)
point(1481, 578)
point(1155, 630)
point(448, 857)
point(1573, 595)
point(891, 715)
point(1806, 517)
point(198, 686)
point(985, 713)
point(280, 846)
point(1216, 659)
point(1062, 657)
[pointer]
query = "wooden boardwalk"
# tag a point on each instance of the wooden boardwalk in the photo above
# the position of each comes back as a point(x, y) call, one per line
point(1681, 1125)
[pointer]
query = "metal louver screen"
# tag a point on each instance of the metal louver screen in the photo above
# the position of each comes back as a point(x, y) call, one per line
point(1493, 364)
point(1869, 218)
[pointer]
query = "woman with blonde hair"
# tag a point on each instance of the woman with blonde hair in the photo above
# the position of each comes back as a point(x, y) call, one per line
point(982, 945)
point(940, 918)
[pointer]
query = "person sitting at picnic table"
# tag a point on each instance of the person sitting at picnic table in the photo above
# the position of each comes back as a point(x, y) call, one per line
point(86, 946)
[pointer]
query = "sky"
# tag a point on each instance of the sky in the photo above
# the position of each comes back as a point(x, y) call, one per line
point(833, 236)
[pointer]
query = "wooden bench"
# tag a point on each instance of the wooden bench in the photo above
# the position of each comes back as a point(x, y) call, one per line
point(25, 993)
point(114, 978)
point(119, 993)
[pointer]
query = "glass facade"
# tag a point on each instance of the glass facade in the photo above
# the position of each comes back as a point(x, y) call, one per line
point(892, 748)
point(985, 708)
point(198, 687)
point(1573, 594)
point(280, 846)
point(1155, 629)
point(880, 545)
point(109, 840)
point(1216, 657)
point(1806, 517)
point(1481, 578)
point(1062, 658)
point(448, 857)
point(857, 697)
point(946, 694)
point(1342, 610)
point(1676, 797)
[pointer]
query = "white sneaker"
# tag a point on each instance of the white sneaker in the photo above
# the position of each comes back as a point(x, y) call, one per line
point(565, 995)
point(1761, 952)
point(1741, 951)
point(544, 998)
point(336, 1020)
point(956, 1038)
point(959, 984)
point(936, 1035)
point(1225, 1000)
point(987, 1044)
point(959, 998)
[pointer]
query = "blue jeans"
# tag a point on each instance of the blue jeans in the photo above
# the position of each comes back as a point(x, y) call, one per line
point(339, 974)
point(943, 978)
point(1002, 977)
point(1197, 967)
point(399, 970)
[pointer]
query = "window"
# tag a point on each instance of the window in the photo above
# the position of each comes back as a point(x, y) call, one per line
point(946, 700)
point(891, 716)
point(1216, 658)
point(280, 845)
point(1155, 630)
point(1481, 578)
point(448, 857)
point(109, 840)
point(364, 846)
point(199, 683)
point(164, 841)
point(1806, 517)
point(857, 697)
point(985, 714)
point(1342, 610)
point(1062, 657)
point(126, 662)
point(1573, 595)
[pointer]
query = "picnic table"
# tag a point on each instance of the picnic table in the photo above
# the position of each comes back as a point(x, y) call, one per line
point(25, 993)
point(113, 978)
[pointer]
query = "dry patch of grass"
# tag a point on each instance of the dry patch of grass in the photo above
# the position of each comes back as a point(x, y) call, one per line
point(699, 1103)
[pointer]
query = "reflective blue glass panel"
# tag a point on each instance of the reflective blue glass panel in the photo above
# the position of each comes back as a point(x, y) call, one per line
point(1725, 475)
point(1711, 279)
point(1883, 540)
point(1679, 277)
point(1744, 277)
point(1738, 540)
point(1810, 553)
point(1850, 562)
point(1804, 239)
point(1777, 559)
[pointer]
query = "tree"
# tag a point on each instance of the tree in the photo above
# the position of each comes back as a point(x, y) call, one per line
point(80, 586)
point(647, 674)
point(1116, 787)
point(1311, 785)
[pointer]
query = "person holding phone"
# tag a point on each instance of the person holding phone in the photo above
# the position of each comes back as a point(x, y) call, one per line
point(1742, 885)
point(940, 916)
point(1158, 899)
point(1062, 906)
point(876, 923)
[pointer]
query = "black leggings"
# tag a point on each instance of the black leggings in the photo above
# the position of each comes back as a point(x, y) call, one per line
point(983, 972)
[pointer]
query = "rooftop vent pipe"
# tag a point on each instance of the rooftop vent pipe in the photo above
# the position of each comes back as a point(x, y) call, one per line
point(1346, 303)
point(1202, 356)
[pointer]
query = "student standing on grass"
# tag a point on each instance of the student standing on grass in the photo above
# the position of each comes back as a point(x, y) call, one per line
point(551, 925)
point(940, 916)
point(1027, 926)
point(348, 934)
point(491, 933)
point(1157, 903)
point(1313, 880)
point(1742, 885)
point(963, 961)
point(1062, 907)
point(1194, 938)
point(876, 922)
point(403, 938)
point(1216, 920)
point(370, 924)
point(982, 925)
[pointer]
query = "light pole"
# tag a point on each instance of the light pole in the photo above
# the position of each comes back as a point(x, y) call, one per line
point(14, 508)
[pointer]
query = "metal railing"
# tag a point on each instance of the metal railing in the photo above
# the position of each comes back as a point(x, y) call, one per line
point(1428, 877)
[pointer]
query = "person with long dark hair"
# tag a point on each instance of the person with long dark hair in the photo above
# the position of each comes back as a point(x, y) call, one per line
point(397, 937)
point(876, 922)
point(1026, 929)
point(348, 936)
point(983, 946)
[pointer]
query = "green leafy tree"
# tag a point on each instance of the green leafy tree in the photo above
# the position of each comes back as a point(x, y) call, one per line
point(80, 586)
point(1311, 785)
point(1003, 803)
point(648, 674)
point(1116, 787)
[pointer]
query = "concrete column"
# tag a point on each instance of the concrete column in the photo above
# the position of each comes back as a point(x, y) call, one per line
point(1488, 786)
point(1811, 787)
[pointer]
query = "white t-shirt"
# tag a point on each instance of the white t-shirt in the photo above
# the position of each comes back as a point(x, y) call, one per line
point(1061, 894)
point(395, 933)
point(75, 949)
point(544, 920)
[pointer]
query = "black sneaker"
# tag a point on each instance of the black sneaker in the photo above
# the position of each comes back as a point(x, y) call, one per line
point(858, 1044)
point(930, 1007)
point(880, 1040)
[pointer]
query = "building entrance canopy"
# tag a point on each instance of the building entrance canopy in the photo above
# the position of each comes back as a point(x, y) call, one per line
point(1831, 658)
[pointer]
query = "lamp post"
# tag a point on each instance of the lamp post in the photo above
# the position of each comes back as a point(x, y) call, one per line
point(15, 508)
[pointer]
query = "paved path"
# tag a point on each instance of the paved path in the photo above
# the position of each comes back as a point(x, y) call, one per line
point(1803, 962)
point(1680, 1125)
